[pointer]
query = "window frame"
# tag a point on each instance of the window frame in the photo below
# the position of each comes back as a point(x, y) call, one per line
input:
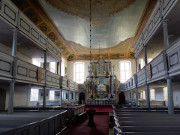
point(50, 95)
point(80, 81)
point(152, 95)
point(33, 99)
point(125, 71)
point(52, 69)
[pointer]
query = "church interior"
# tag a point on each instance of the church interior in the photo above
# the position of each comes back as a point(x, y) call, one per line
point(89, 67)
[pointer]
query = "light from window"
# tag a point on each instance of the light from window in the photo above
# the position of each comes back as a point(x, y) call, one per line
point(149, 60)
point(51, 95)
point(79, 72)
point(152, 94)
point(52, 67)
point(34, 95)
point(36, 62)
point(141, 95)
point(165, 93)
point(125, 71)
point(62, 69)
point(142, 63)
point(144, 95)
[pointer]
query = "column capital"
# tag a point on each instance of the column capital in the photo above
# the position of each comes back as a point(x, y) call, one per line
point(169, 77)
point(165, 21)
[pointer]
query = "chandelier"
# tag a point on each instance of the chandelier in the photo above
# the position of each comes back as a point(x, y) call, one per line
point(100, 83)
point(90, 84)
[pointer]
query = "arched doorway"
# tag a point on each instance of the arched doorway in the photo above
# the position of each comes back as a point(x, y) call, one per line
point(121, 98)
point(81, 97)
point(2, 99)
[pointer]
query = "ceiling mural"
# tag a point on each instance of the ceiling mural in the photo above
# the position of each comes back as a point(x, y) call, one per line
point(112, 21)
point(116, 25)
point(101, 8)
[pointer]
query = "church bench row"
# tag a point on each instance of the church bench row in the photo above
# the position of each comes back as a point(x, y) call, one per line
point(136, 123)
point(45, 125)
point(72, 111)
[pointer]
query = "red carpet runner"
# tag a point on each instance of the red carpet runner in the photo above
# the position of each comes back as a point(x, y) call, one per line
point(100, 108)
point(101, 128)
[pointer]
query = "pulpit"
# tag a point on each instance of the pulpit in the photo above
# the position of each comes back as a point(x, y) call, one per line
point(91, 113)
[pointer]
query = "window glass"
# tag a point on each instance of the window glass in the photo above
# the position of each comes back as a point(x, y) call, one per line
point(144, 95)
point(36, 62)
point(165, 93)
point(122, 66)
point(79, 72)
point(62, 69)
point(52, 67)
point(142, 63)
point(152, 94)
point(34, 95)
point(125, 71)
point(51, 95)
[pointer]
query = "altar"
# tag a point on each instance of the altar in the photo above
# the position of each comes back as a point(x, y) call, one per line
point(101, 83)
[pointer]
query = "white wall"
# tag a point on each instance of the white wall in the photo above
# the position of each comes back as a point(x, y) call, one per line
point(70, 66)
point(176, 94)
point(65, 62)
point(159, 96)
point(20, 96)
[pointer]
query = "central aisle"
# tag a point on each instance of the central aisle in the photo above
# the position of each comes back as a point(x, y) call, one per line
point(101, 128)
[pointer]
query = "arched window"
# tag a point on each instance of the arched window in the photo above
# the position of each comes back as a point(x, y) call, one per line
point(125, 71)
point(79, 72)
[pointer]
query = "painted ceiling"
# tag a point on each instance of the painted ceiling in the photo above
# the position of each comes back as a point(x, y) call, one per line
point(113, 21)
point(116, 24)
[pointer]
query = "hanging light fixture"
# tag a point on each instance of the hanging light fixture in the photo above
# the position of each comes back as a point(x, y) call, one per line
point(89, 80)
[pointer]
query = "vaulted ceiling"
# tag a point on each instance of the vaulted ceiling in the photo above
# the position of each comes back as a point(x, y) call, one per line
point(115, 25)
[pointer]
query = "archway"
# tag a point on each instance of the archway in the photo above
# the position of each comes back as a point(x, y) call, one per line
point(121, 98)
point(81, 97)
point(2, 99)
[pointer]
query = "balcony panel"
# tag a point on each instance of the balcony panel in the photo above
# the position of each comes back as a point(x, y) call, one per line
point(53, 50)
point(173, 54)
point(28, 73)
point(9, 11)
point(6, 64)
point(167, 6)
point(76, 86)
point(52, 79)
point(158, 68)
point(32, 31)
point(141, 79)
point(71, 85)
point(153, 23)
point(64, 83)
